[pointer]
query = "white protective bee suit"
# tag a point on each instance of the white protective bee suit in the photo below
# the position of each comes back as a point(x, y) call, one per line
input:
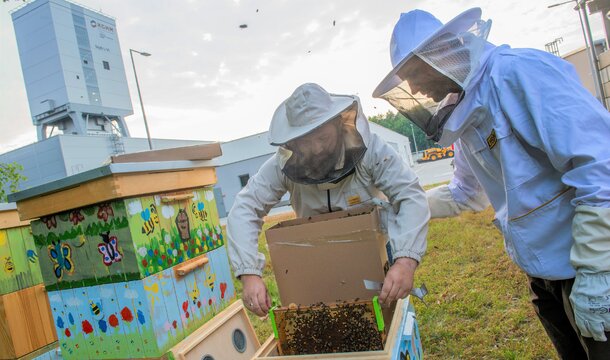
point(376, 172)
point(530, 139)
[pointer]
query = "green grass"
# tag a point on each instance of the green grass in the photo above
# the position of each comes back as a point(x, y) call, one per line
point(478, 302)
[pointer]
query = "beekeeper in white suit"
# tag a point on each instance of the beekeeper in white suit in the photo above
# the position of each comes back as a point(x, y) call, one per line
point(534, 142)
point(328, 161)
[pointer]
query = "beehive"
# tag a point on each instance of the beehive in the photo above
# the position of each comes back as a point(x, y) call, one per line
point(25, 317)
point(132, 255)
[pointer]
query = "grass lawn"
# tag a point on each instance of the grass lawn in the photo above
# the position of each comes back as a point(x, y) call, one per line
point(478, 302)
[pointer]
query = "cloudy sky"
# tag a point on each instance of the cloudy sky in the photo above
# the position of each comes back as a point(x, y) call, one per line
point(209, 79)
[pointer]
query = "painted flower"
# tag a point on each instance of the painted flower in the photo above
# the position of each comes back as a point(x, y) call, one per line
point(50, 221)
point(87, 328)
point(113, 321)
point(167, 239)
point(126, 315)
point(76, 217)
point(104, 211)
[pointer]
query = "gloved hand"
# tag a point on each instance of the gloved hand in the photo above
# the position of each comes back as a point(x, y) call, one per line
point(590, 256)
point(442, 204)
point(590, 299)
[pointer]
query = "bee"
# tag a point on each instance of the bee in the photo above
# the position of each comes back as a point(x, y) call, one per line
point(150, 218)
point(9, 266)
point(210, 278)
point(194, 294)
point(199, 211)
point(96, 310)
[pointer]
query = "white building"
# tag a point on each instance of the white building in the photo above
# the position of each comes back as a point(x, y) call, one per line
point(241, 159)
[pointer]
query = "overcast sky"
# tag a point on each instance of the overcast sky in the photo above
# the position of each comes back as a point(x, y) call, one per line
point(208, 79)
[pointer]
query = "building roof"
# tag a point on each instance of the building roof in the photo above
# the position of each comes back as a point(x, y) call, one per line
point(256, 145)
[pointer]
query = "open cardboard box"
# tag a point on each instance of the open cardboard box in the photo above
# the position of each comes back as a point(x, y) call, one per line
point(326, 258)
point(402, 342)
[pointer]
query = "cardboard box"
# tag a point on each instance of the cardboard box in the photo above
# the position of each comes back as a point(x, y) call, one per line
point(350, 326)
point(325, 258)
point(403, 342)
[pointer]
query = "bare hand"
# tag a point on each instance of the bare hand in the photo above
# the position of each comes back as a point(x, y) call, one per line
point(255, 295)
point(398, 281)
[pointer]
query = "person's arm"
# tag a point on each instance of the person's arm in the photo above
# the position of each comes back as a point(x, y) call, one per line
point(463, 193)
point(263, 191)
point(553, 112)
point(407, 220)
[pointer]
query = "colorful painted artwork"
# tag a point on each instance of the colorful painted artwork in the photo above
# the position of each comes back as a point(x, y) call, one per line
point(124, 240)
point(19, 267)
point(142, 318)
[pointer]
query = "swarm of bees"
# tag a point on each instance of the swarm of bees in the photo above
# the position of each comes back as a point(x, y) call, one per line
point(321, 328)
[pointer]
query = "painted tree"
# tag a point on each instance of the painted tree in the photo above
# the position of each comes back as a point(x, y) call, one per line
point(10, 176)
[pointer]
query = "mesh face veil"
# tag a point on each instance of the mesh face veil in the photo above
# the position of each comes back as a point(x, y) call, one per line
point(326, 154)
point(428, 83)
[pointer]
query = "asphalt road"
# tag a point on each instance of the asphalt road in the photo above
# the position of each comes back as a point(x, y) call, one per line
point(434, 171)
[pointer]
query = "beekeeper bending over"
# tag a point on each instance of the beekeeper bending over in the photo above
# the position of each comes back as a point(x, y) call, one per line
point(326, 155)
point(532, 139)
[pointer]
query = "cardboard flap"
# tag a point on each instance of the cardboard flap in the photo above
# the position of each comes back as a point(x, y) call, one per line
point(325, 258)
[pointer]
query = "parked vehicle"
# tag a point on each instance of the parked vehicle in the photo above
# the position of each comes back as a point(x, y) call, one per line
point(433, 154)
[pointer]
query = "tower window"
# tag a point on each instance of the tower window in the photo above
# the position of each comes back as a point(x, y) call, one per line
point(106, 65)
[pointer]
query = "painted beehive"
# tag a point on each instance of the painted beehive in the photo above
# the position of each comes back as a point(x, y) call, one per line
point(140, 318)
point(122, 252)
point(125, 239)
point(25, 317)
point(19, 267)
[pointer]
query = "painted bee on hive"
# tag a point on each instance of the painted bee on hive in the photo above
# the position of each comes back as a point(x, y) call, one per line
point(150, 218)
point(199, 211)
point(95, 310)
point(9, 266)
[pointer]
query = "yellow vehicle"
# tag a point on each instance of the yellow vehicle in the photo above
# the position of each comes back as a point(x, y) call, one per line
point(433, 154)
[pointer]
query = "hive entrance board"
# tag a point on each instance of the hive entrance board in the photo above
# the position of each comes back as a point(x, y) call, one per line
point(328, 328)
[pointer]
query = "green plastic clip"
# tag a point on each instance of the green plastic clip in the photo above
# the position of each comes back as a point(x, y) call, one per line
point(272, 318)
point(378, 314)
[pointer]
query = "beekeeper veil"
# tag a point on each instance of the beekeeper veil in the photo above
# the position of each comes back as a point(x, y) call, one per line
point(432, 66)
point(321, 136)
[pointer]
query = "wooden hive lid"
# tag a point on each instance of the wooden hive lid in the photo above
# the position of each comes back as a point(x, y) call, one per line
point(119, 180)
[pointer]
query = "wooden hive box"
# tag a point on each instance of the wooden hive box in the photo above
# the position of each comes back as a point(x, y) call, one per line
point(229, 335)
point(25, 322)
point(402, 342)
point(25, 316)
point(142, 318)
point(19, 267)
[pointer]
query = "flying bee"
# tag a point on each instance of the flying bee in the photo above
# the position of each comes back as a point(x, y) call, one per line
point(95, 310)
point(150, 218)
point(9, 266)
point(199, 211)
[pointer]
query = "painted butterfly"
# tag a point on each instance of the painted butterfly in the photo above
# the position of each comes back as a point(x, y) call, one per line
point(109, 249)
point(61, 257)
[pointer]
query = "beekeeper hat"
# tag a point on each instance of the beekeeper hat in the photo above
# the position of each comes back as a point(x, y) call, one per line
point(412, 34)
point(309, 107)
